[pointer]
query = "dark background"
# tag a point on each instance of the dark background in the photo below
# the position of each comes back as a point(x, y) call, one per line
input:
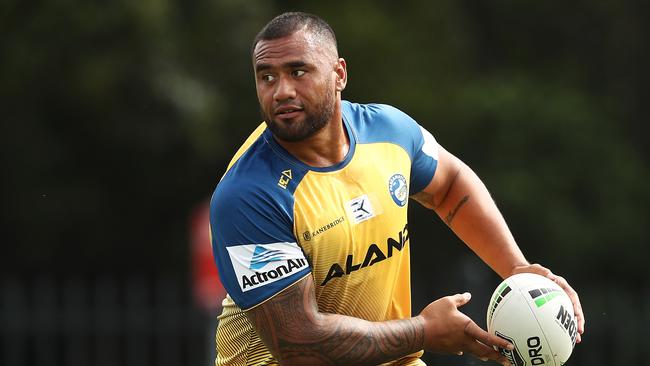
point(118, 119)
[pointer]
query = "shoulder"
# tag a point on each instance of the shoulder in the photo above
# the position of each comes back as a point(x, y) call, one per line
point(375, 113)
point(255, 196)
point(383, 123)
point(251, 199)
point(257, 167)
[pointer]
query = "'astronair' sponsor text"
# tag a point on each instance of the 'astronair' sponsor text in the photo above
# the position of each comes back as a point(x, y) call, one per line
point(259, 278)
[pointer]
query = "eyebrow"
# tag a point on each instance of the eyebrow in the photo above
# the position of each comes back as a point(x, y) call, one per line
point(290, 64)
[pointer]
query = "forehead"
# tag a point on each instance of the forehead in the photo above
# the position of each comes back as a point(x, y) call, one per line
point(297, 46)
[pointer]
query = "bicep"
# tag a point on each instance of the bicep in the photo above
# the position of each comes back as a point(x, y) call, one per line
point(447, 171)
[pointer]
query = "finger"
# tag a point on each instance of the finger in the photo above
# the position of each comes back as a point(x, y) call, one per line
point(475, 332)
point(484, 352)
point(577, 307)
point(535, 268)
point(461, 299)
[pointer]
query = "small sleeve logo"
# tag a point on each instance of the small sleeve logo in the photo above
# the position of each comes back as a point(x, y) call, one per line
point(285, 178)
point(263, 256)
point(257, 265)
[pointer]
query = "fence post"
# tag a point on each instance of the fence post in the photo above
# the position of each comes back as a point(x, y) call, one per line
point(167, 315)
point(106, 322)
point(139, 324)
point(76, 323)
point(13, 316)
point(44, 320)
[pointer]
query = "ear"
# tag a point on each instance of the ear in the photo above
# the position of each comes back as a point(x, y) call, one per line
point(341, 74)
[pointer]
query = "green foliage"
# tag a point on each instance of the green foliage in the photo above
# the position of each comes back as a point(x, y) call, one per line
point(120, 117)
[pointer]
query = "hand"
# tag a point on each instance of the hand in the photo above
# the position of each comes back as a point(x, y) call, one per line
point(577, 308)
point(447, 330)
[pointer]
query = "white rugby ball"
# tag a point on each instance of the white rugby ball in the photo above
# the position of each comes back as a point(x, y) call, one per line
point(536, 316)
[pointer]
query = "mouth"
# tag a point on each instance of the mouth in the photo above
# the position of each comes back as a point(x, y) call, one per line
point(286, 112)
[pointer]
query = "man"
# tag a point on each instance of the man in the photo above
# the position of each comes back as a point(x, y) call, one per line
point(309, 223)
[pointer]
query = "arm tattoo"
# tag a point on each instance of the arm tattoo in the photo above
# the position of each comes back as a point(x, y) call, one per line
point(453, 212)
point(290, 325)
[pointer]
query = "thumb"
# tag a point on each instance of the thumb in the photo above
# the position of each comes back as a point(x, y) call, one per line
point(462, 299)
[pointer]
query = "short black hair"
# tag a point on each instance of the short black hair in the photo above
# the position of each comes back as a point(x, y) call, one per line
point(287, 24)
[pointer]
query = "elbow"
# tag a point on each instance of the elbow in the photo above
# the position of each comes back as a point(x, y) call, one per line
point(306, 345)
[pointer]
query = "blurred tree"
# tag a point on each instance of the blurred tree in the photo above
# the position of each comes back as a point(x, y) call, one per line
point(119, 117)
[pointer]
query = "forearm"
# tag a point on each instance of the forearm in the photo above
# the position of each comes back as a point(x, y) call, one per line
point(468, 209)
point(299, 334)
point(343, 340)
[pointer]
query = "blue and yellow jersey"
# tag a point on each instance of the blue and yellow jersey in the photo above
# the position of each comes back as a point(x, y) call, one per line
point(275, 219)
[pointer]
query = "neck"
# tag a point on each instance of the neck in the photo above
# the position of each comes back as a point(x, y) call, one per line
point(327, 147)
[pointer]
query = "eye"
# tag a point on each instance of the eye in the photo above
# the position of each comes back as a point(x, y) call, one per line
point(268, 78)
point(298, 73)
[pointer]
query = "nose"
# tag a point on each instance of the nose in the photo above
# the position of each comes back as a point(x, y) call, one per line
point(284, 90)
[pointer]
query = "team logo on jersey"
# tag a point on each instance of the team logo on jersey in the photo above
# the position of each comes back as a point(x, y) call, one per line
point(360, 209)
point(257, 265)
point(398, 189)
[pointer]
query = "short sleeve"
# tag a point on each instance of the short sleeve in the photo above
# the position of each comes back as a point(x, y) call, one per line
point(385, 123)
point(253, 242)
point(425, 160)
